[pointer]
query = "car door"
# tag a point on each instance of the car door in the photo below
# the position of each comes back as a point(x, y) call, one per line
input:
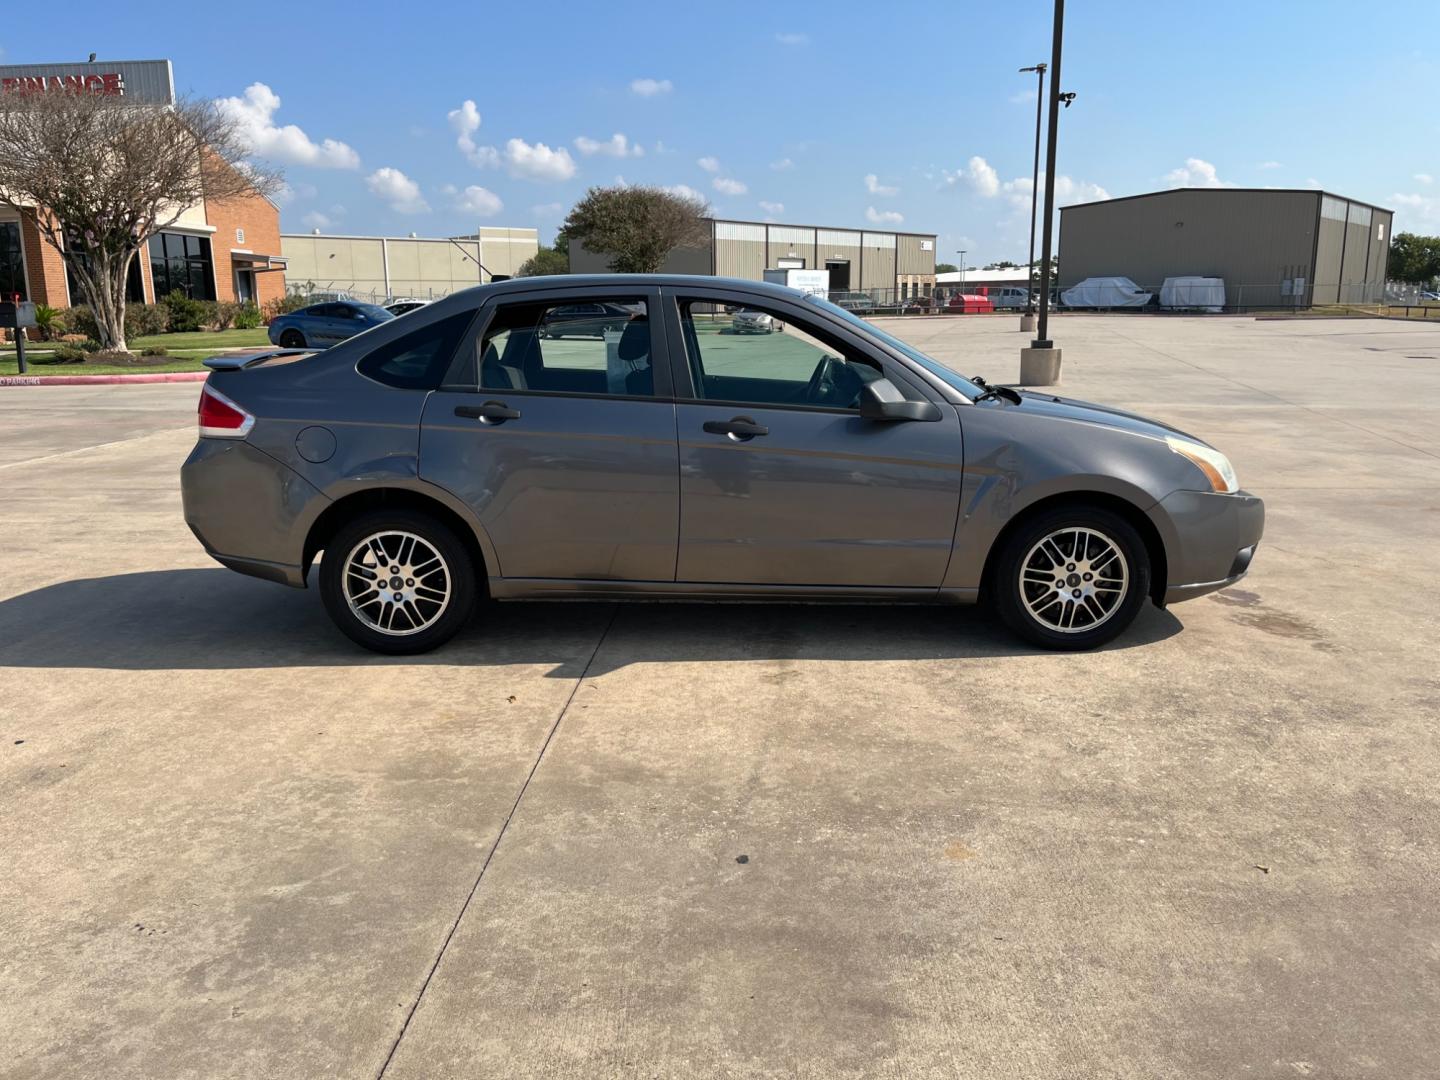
point(782, 482)
point(563, 447)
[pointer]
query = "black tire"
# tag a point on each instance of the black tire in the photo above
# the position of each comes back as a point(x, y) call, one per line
point(459, 575)
point(1008, 595)
point(292, 339)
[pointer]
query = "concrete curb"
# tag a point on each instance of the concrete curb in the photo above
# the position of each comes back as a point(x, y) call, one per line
point(104, 380)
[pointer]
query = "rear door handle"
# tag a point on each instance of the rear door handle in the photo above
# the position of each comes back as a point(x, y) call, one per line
point(741, 427)
point(492, 412)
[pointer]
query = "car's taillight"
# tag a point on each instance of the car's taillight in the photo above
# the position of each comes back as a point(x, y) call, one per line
point(221, 418)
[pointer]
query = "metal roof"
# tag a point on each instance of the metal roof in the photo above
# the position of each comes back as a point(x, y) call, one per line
point(1225, 191)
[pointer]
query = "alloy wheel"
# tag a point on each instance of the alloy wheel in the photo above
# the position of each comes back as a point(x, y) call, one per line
point(396, 583)
point(1073, 580)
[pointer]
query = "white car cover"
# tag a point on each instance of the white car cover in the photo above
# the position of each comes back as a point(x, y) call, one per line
point(1204, 293)
point(1106, 292)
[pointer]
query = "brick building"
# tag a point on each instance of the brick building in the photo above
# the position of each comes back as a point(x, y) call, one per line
point(217, 250)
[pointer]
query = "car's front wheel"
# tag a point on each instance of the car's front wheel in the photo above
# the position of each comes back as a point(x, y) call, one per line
point(1073, 578)
point(292, 339)
point(397, 581)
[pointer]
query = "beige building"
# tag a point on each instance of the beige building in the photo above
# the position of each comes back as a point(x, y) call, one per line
point(384, 267)
point(887, 265)
point(1272, 247)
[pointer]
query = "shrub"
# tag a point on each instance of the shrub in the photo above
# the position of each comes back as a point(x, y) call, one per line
point(65, 354)
point(248, 317)
point(48, 323)
point(186, 315)
point(155, 350)
point(226, 312)
point(291, 301)
point(146, 320)
point(108, 354)
point(82, 321)
point(90, 345)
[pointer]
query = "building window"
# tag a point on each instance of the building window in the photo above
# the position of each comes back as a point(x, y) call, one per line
point(181, 263)
point(134, 289)
point(12, 261)
point(239, 236)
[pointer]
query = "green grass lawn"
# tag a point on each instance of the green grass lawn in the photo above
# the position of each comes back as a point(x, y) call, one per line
point(186, 351)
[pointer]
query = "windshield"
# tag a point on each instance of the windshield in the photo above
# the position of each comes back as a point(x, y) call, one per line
point(944, 374)
point(374, 311)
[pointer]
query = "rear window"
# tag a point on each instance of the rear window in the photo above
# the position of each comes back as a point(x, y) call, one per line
point(419, 359)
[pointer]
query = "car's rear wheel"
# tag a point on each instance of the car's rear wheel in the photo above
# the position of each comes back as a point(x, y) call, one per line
point(397, 581)
point(1073, 578)
point(292, 339)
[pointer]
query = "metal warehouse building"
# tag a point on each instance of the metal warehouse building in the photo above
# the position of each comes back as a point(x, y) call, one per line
point(378, 267)
point(1272, 247)
point(887, 265)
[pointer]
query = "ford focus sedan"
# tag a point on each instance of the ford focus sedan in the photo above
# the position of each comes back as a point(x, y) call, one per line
point(468, 452)
point(321, 325)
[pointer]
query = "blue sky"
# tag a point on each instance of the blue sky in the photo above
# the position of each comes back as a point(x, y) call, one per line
point(842, 113)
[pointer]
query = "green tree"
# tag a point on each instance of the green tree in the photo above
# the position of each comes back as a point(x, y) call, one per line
point(638, 227)
point(1003, 264)
point(1413, 258)
point(945, 268)
point(98, 176)
point(545, 261)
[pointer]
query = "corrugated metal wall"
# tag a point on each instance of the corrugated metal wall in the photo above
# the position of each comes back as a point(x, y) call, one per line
point(1255, 240)
point(877, 261)
point(791, 242)
point(739, 250)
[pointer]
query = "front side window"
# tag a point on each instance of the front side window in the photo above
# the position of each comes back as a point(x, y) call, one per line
point(598, 349)
point(785, 364)
point(419, 360)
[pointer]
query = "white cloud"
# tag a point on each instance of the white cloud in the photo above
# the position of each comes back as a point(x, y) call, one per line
point(289, 193)
point(793, 39)
point(883, 217)
point(538, 162)
point(651, 87)
point(727, 186)
point(873, 185)
point(772, 207)
point(1424, 178)
point(254, 115)
point(1415, 207)
point(1313, 183)
point(1067, 191)
point(1024, 96)
point(465, 121)
point(615, 146)
point(685, 191)
point(1196, 172)
point(316, 220)
point(479, 201)
point(398, 191)
point(709, 164)
point(1271, 165)
point(979, 174)
point(782, 165)
point(547, 210)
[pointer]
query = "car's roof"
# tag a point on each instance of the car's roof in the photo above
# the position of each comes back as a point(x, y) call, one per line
point(608, 282)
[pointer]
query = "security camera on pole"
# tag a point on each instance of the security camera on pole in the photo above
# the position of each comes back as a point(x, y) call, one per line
point(1040, 363)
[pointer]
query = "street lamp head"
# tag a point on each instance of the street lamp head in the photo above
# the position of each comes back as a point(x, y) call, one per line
point(1038, 67)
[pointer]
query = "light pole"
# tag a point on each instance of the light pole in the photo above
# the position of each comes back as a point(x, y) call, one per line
point(1040, 363)
point(1028, 322)
point(962, 270)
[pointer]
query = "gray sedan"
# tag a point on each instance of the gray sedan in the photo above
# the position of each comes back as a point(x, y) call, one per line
point(465, 452)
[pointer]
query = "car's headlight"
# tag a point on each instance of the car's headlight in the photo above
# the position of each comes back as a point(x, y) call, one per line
point(1215, 465)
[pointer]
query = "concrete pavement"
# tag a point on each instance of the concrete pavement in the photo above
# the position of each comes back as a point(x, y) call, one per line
point(738, 840)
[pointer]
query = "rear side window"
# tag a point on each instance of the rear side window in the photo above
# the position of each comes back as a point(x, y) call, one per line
point(418, 360)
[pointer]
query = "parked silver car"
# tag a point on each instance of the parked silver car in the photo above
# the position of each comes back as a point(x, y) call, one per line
point(465, 451)
point(746, 321)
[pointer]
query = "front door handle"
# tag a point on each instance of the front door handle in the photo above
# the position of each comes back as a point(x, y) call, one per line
point(492, 412)
point(741, 427)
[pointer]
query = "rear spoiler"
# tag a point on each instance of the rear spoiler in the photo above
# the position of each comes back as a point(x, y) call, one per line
point(240, 363)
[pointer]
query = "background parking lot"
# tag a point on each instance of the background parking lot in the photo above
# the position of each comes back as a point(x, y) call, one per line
point(691, 840)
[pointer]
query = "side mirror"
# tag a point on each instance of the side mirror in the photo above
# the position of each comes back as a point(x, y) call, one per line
point(882, 400)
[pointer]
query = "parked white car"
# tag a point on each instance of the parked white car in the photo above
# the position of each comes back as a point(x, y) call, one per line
point(1009, 296)
point(1106, 292)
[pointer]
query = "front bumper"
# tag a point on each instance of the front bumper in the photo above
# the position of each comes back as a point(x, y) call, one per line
point(1210, 540)
point(249, 511)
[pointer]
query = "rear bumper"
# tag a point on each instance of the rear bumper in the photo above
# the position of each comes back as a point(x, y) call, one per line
point(249, 511)
point(1210, 540)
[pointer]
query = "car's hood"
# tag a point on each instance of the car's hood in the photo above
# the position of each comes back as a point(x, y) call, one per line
point(1088, 412)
